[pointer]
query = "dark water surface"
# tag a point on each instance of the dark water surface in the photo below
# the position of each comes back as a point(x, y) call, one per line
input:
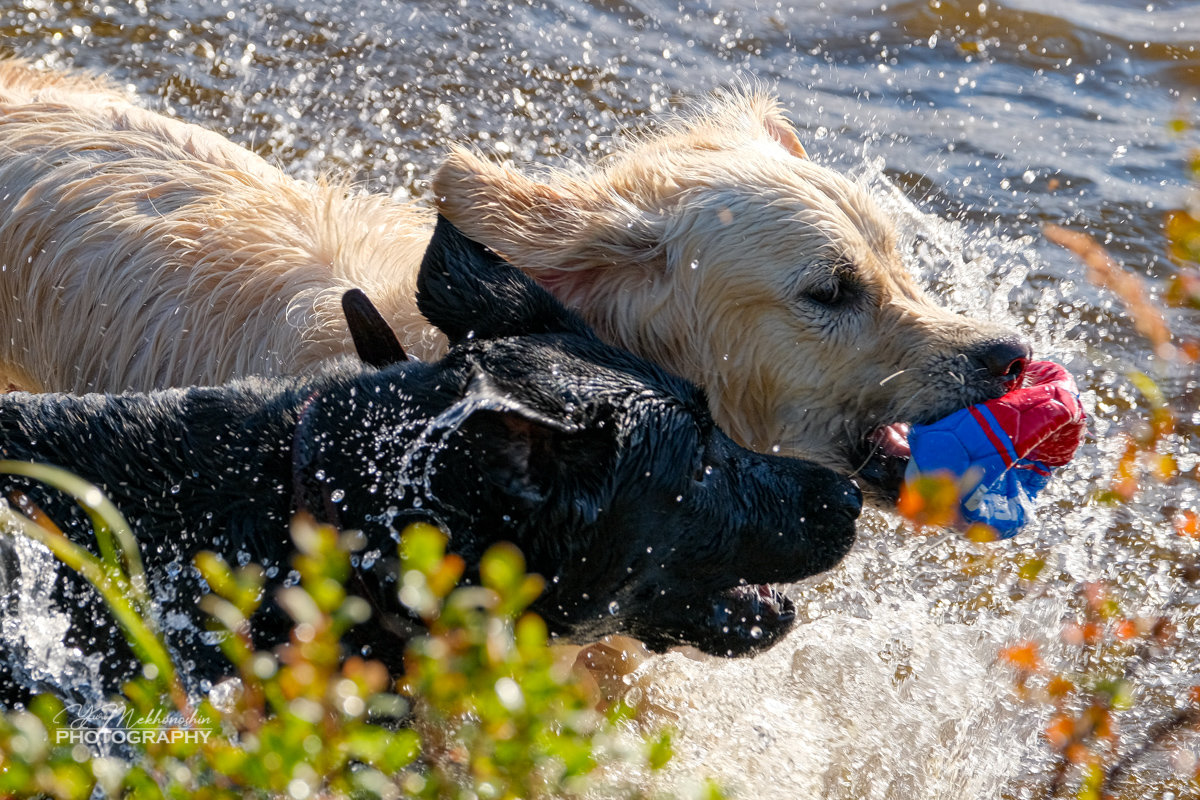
point(975, 123)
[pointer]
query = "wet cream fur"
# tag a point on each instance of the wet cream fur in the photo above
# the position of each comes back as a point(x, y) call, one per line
point(700, 247)
point(138, 251)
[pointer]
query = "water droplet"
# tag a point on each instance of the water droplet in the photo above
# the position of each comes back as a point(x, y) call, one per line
point(614, 607)
point(337, 495)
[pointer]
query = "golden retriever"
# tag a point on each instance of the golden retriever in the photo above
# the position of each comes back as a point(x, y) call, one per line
point(139, 251)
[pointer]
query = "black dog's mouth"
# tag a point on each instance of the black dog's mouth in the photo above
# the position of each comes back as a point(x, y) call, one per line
point(881, 459)
point(747, 618)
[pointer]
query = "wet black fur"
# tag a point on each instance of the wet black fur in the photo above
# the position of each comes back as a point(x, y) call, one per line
point(607, 472)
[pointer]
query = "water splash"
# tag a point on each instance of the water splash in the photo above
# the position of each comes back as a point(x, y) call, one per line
point(898, 704)
point(33, 628)
point(890, 686)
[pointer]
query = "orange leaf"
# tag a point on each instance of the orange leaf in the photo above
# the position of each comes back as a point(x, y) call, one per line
point(1060, 731)
point(1103, 271)
point(1126, 629)
point(1078, 754)
point(1022, 656)
point(1125, 477)
point(930, 500)
point(1099, 719)
point(1059, 687)
point(1187, 523)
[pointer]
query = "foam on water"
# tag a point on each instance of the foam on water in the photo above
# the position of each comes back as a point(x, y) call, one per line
point(894, 704)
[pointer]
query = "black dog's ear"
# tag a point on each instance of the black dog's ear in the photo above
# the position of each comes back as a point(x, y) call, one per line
point(374, 339)
point(524, 451)
point(526, 454)
point(512, 451)
point(467, 290)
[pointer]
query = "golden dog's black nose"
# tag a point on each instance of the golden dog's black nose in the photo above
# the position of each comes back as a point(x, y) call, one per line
point(1005, 359)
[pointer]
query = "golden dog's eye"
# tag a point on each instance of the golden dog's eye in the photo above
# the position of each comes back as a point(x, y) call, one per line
point(829, 294)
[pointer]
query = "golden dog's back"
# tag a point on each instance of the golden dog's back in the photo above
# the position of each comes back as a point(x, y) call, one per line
point(139, 251)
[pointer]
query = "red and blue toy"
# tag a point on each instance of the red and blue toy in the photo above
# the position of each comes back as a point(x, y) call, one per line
point(1004, 450)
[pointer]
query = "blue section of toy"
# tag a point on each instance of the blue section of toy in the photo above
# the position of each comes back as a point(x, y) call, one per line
point(998, 487)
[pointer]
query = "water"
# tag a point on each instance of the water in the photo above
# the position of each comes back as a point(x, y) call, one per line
point(973, 122)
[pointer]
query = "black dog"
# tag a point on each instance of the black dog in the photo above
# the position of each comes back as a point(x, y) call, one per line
point(607, 472)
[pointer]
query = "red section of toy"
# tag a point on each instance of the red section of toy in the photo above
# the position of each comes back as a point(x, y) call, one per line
point(1043, 417)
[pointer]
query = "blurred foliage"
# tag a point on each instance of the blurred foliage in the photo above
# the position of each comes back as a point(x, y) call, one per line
point(1091, 753)
point(484, 710)
point(933, 501)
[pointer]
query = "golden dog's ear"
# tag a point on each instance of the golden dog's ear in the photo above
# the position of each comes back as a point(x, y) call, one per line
point(564, 234)
point(731, 111)
point(781, 130)
point(732, 117)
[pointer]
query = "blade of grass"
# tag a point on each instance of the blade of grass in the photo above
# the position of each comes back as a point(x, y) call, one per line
point(118, 575)
point(116, 541)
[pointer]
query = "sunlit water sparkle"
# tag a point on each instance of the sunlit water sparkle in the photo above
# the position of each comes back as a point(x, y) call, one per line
point(974, 123)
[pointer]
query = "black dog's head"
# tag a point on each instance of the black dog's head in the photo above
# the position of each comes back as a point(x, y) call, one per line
point(607, 472)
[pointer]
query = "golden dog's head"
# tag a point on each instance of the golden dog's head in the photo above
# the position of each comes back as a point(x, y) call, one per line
point(717, 248)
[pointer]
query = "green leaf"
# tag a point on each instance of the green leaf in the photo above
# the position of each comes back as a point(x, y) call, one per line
point(422, 547)
point(502, 569)
point(1031, 569)
point(661, 751)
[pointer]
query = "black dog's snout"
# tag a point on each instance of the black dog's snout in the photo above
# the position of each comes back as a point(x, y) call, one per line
point(850, 502)
point(1005, 359)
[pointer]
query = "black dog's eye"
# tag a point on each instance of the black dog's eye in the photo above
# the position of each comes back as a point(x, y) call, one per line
point(701, 468)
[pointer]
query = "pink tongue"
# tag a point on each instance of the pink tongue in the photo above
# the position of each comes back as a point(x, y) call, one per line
point(893, 439)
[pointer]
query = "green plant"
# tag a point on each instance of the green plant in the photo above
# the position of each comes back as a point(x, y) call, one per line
point(1090, 751)
point(487, 710)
